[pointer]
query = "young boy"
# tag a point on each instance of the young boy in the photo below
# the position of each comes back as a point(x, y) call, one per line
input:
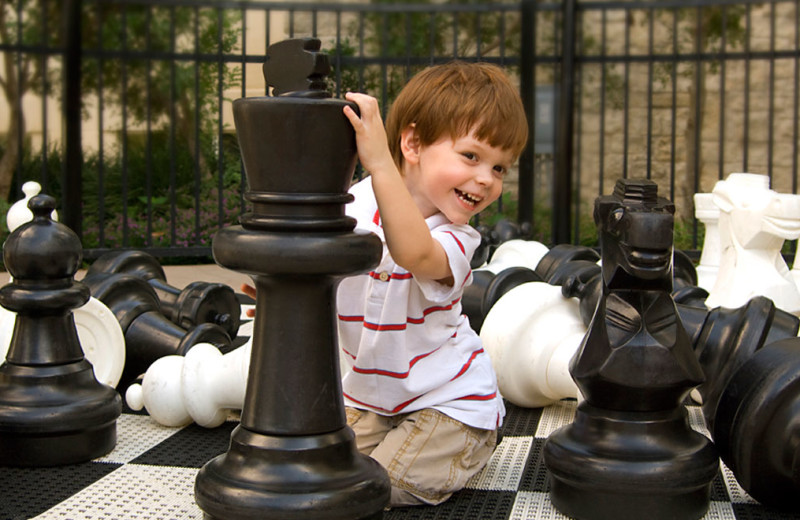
point(419, 389)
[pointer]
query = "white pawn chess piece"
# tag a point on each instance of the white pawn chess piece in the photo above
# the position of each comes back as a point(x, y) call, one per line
point(516, 253)
point(708, 213)
point(19, 213)
point(754, 222)
point(531, 334)
point(99, 332)
point(202, 386)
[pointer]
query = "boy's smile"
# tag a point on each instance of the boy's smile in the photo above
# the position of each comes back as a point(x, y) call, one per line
point(458, 178)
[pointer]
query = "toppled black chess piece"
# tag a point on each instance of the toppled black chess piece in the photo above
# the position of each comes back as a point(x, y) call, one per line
point(757, 424)
point(293, 455)
point(630, 452)
point(487, 287)
point(149, 335)
point(564, 260)
point(751, 397)
point(493, 236)
point(52, 409)
point(199, 302)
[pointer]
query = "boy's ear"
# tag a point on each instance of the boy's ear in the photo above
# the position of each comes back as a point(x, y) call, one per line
point(409, 144)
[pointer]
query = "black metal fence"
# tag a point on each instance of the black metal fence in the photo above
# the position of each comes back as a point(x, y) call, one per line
point(121, 108)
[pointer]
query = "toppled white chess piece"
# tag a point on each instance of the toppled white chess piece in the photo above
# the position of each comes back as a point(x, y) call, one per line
point(531, 333)
point(708, 213)
point(516, 253)
point(202, 386)
point(754, 222)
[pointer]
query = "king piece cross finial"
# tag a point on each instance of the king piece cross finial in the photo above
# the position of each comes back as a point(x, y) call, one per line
point(297, 68)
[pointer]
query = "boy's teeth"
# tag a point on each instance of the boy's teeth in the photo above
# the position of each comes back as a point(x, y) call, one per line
point(468, 198)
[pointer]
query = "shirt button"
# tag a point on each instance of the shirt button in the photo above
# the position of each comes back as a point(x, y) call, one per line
point(384, 276)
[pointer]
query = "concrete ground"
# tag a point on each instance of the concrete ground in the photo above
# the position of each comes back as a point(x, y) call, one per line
point(180, 276)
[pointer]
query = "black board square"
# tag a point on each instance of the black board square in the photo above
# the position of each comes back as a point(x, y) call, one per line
point(27, 492)
point(191, 447)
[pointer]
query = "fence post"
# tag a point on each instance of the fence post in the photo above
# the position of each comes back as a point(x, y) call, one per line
point(72, 178)
point(562, 176)
point(527, 87)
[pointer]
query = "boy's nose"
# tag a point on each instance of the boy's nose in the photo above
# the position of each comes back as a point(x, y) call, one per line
point(485, 176)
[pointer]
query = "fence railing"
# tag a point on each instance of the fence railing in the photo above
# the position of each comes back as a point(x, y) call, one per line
point(121, 108)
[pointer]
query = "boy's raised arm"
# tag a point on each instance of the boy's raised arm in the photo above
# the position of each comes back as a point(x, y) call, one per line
point(407, 235)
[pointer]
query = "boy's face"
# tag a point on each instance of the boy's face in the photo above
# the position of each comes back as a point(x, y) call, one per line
point(458, 177)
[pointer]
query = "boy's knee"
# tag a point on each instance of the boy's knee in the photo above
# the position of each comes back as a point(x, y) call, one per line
point(430, 456)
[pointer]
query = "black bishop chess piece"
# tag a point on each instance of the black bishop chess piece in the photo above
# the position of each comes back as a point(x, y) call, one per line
point(293, 456)
point(630, 452)
point(52, 409)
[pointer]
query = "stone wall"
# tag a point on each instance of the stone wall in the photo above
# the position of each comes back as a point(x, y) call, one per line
point(757, 120)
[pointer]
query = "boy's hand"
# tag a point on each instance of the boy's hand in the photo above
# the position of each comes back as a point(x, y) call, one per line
point(250, 291)
point(373, 148)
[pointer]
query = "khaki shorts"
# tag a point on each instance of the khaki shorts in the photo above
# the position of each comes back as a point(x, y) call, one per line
point(427, 454)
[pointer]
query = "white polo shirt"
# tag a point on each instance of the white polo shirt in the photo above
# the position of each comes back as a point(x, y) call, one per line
point(404, 343)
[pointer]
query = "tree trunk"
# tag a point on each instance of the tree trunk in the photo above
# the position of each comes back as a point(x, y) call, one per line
point(185, 123)
point(11, 155)
point(684, 191)
point(14, 85)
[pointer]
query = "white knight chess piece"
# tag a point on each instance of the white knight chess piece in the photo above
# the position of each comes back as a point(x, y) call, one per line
point(754, 222)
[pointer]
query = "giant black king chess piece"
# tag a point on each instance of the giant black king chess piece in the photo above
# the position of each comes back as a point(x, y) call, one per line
point(630, 452)
point(52, 409)
point(293, 455)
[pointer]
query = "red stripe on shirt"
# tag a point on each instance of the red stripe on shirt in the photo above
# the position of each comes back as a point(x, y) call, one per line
point(477, 397)
point(394, 410)
point(467, 364)
point(398, 326)
point(460, 245)
point(405, 404)
point(376, 218)
point(389, 373)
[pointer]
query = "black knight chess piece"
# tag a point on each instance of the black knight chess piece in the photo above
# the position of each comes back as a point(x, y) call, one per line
point(630, 452)
point(52, 409)
point(293, 455)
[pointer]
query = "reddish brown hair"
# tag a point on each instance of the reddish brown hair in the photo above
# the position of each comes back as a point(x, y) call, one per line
point(452, 99)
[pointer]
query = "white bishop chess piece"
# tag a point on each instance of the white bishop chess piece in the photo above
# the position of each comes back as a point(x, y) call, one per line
point(531, 334)
point(754, 222)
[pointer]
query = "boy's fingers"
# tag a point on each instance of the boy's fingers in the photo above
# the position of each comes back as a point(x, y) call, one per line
point(352, 117)
point(249, 290)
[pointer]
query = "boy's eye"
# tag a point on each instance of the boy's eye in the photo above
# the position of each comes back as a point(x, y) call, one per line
point(469, 155)
point(500, 171)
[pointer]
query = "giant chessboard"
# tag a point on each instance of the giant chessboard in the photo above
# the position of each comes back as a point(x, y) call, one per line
point(151, 473)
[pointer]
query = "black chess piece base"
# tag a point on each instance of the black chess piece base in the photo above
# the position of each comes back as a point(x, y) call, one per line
point(611, 466)
point(68, 421)
point(291, 477)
